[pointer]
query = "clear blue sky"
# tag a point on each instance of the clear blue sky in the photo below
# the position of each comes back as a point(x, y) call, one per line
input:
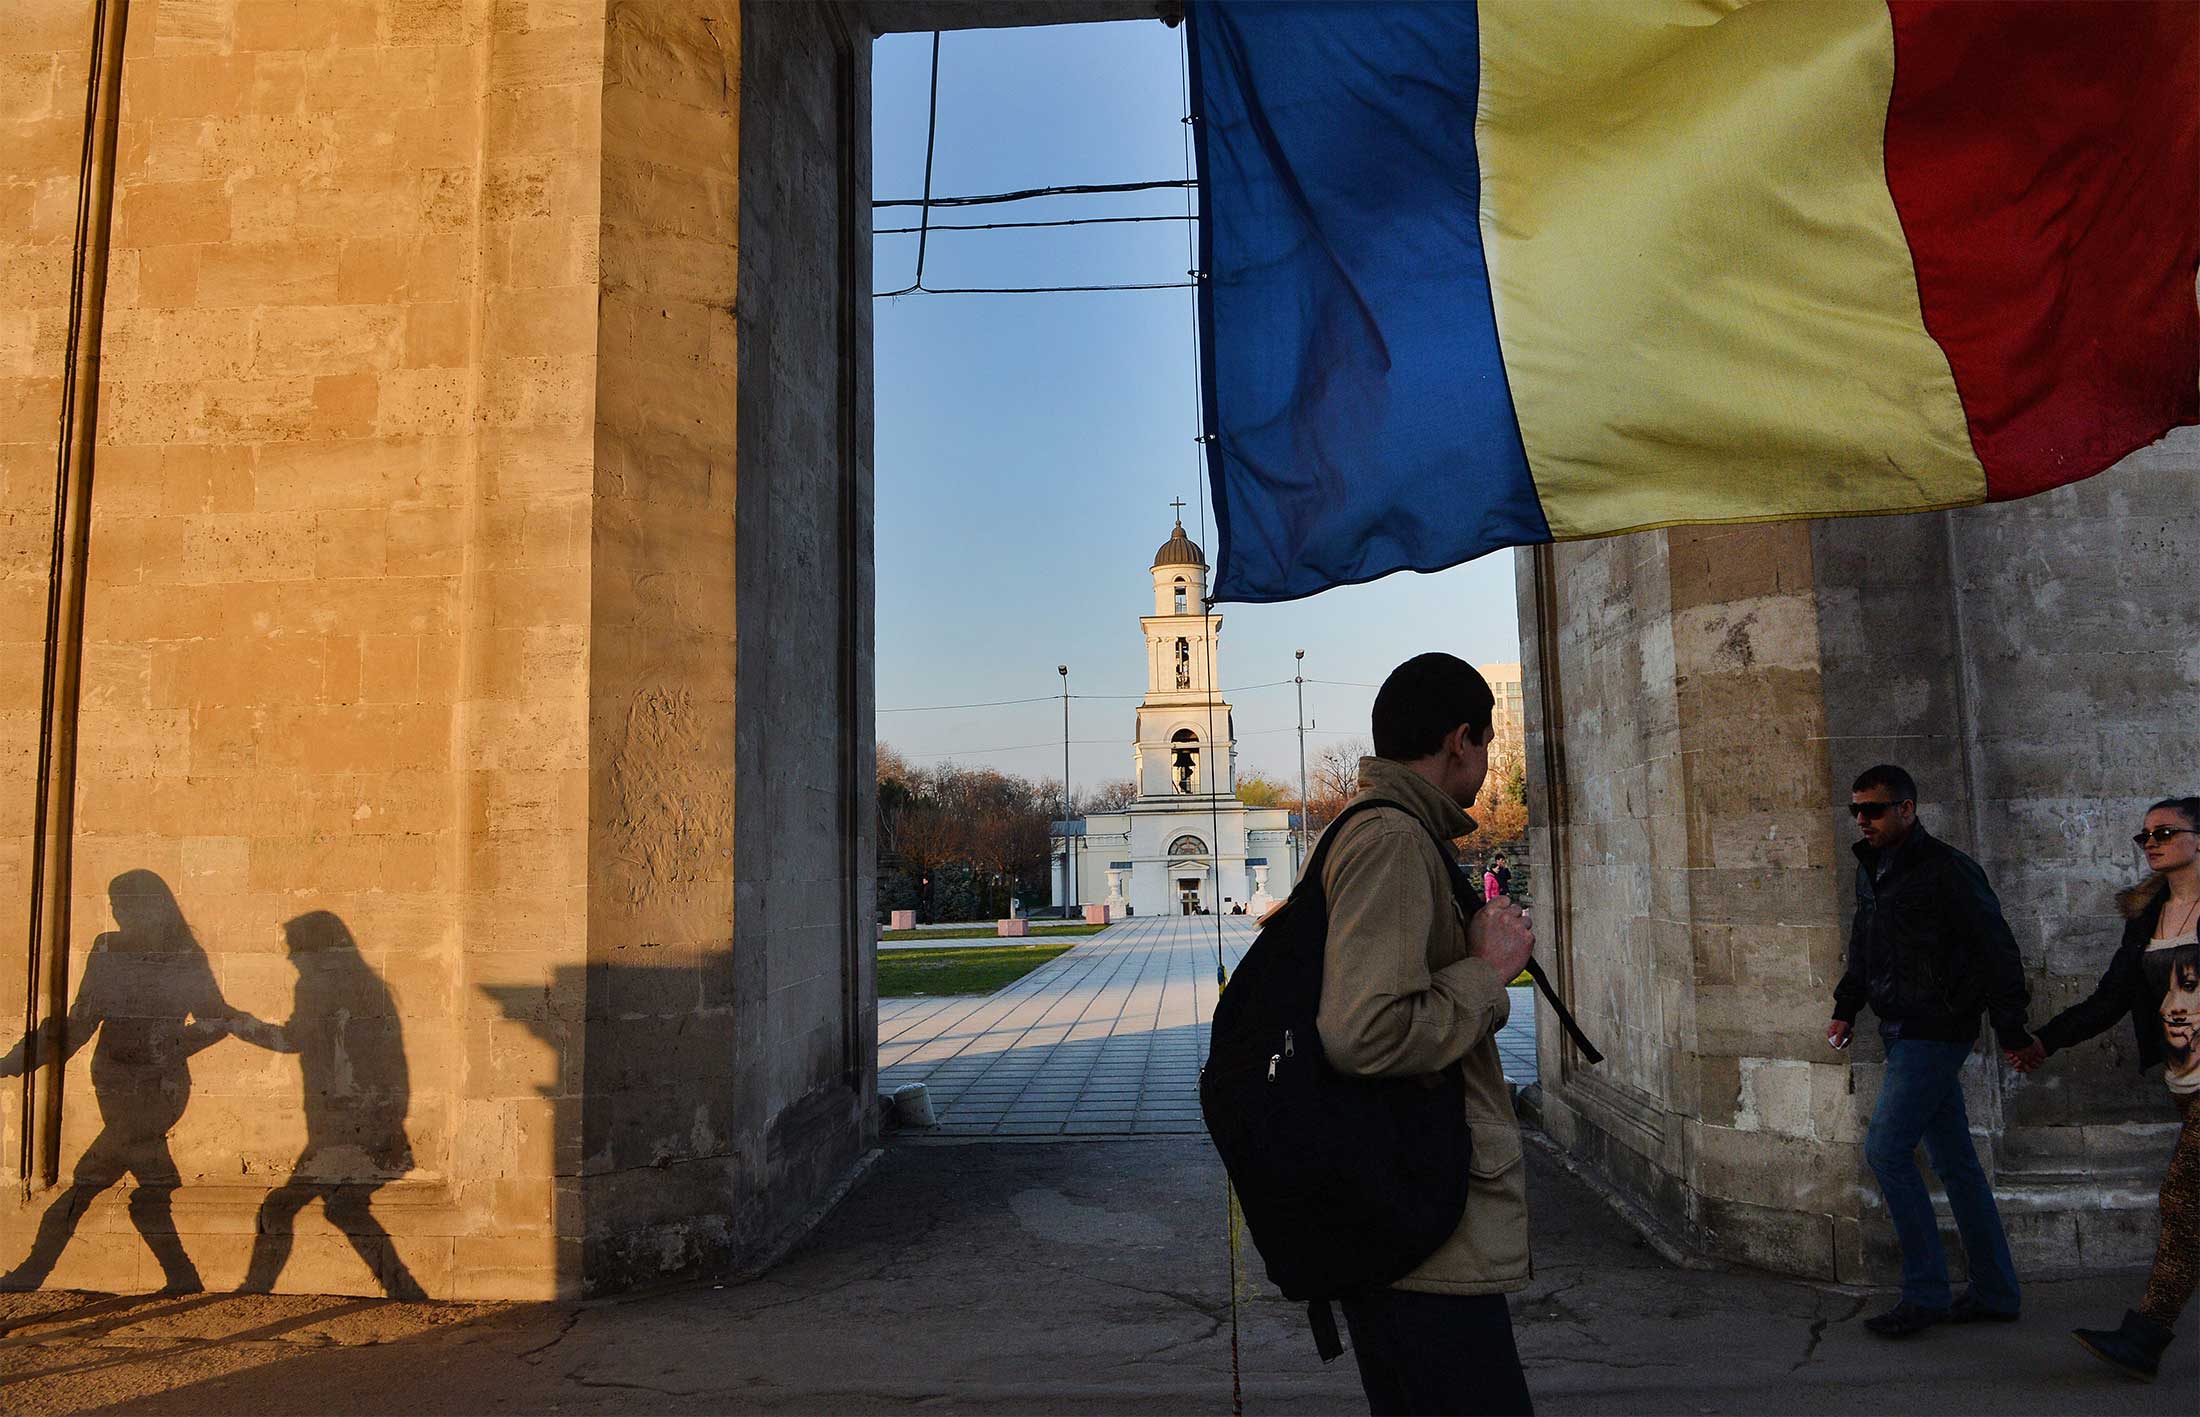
point(1029, 445)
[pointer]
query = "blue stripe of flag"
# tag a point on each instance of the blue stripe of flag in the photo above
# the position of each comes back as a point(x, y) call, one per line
point(1358, 417)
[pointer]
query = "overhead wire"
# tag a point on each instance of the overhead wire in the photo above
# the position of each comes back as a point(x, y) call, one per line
point(1057, 698)
point(1029, 193)
point(931, 137)
point(1010, 747)
point(928, 203)
point(1200, 448)
point(1021, 225)
point(1030, 289)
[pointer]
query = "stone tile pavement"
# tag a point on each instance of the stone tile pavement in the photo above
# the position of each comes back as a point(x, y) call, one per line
point(1105, 1040)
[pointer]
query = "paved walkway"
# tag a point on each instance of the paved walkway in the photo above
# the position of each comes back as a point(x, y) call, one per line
point(1065, 1278)
point(1105, 1040)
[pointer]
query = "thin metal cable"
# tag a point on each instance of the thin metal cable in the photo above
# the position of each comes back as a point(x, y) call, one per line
point(1028, 193)
point(1199, 412)
point(931, 137)
point(1021, 225)
point(1030, 289)
point(1199, 415)
point(1013, 747)
point(1056, 698)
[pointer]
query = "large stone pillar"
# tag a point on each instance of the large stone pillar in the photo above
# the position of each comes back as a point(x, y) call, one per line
point(427, 613)
point(1700, 700)
point(1677, 787)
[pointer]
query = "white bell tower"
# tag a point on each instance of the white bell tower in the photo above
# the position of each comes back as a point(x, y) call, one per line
point(1187, 745)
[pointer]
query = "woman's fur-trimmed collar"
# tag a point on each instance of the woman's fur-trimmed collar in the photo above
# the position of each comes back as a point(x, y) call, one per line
point(2139, 899)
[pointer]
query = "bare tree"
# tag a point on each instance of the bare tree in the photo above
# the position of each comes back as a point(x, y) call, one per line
point(1107, 797)
point(1333, 778)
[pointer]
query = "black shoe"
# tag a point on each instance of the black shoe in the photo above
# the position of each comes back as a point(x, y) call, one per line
point(1968, 1310)
point(2134, 1350)
point(1904, 1320)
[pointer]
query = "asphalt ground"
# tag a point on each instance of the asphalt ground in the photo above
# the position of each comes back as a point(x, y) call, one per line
point(1058, 1276)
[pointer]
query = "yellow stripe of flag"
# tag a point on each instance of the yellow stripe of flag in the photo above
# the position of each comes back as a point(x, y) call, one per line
point(1705, 301)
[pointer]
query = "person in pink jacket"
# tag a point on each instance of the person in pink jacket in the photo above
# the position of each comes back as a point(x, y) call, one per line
point(1489, 883)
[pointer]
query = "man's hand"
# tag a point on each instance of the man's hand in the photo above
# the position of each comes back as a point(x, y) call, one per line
point(1838, 1032)
point(1500, 936)
point(2025, 1059)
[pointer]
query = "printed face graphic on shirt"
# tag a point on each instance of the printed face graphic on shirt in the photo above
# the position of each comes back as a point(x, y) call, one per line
point(2181, 1003)
point(2176, 971)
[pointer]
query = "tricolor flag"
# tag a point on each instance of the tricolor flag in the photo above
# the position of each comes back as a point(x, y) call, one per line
point(1486, 275)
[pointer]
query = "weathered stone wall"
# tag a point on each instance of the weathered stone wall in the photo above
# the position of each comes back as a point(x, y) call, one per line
point(2039, 757)
point(1694, 915)
point(1611, 828)
point(2030, 663)
point(806, 860)
point(271, 632)
point(414, 638)
point(1773, 1155)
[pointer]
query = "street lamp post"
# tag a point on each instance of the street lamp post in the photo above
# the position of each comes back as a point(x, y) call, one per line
point(1069, 847)
point(1298, 844)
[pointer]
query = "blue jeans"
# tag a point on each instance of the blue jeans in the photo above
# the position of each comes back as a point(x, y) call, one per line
point(1922, 1099)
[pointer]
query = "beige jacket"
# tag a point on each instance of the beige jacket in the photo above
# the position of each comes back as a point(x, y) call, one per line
point(1400, 997)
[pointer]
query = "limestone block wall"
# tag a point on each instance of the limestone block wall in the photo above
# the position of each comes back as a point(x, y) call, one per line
point(1711, 693)
point(1773, 1165)
point(2073, 639)
point(805, 860)
point(1688, 894)
point(1610, 825)
point(404, 851)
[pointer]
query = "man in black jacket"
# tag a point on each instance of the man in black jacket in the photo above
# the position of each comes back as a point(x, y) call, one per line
point(1928, 950)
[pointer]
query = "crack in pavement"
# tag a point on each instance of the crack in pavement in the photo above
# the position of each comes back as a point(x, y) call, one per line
point(564, 1330)
point(1818, 1333)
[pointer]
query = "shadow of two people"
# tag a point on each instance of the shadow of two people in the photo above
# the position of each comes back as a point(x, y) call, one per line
point(149, 996)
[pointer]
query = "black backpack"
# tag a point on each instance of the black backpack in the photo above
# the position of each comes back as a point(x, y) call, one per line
point(1346, 1183)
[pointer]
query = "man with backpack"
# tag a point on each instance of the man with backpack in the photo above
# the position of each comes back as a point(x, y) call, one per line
point(1413, 987)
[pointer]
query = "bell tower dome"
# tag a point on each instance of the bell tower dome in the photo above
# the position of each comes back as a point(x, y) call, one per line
point(1179, 572)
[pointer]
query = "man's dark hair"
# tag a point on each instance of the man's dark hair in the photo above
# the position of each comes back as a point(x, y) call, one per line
point(1500, 856)
point(1898, 783)
point(1425, 698)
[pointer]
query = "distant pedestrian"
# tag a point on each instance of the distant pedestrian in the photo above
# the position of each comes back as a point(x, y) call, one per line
point(1928, 950)
point(1491, 886)
point(2154, 979)
point(1410, 988)
point(1504, 878)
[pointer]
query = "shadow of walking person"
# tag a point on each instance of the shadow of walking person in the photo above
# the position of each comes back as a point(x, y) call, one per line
point(149, 994)
point(351, 1049)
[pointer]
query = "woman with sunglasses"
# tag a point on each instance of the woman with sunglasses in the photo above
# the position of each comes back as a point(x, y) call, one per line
point(2155, 979)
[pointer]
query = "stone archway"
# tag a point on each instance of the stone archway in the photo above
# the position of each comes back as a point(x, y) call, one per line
point(476, 550)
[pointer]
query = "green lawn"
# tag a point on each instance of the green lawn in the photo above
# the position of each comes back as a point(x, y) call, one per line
point(964, 969)
point(986, 932)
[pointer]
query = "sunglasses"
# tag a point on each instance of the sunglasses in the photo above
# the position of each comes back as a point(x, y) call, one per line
point(2158, 835)
point(1871, 811)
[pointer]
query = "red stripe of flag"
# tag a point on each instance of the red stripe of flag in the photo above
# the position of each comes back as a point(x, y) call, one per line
point(2045, 162)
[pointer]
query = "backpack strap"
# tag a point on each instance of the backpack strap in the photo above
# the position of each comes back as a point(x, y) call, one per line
point(1320, 854)
point(1324, 1324)
point(1469, 902)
